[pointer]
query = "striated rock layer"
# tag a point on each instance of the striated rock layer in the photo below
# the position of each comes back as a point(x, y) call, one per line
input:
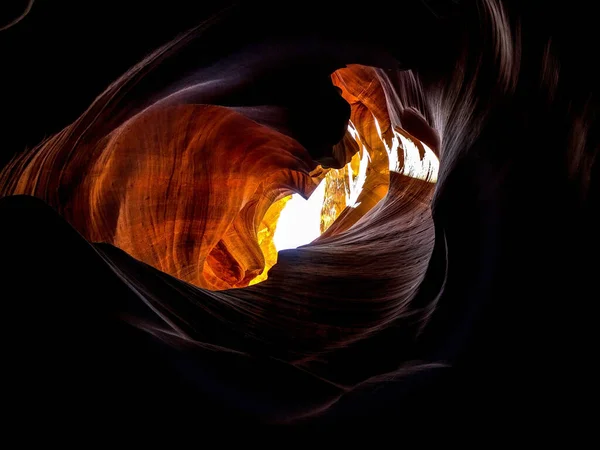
point(179, 169)
point(186, 188)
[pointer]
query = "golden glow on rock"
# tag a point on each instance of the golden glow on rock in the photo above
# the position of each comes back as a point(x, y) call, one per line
point(265, 235)
point(336, 195)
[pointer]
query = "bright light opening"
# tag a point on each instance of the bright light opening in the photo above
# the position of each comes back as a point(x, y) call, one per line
point(300, 220)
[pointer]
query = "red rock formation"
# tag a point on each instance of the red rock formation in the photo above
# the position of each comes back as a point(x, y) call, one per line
point(182, 188)
point(185, 188)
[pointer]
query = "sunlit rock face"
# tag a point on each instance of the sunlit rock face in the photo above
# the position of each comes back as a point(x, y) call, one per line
point(196, 191)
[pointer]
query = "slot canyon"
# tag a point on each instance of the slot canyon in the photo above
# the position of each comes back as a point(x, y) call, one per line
point(301, 214)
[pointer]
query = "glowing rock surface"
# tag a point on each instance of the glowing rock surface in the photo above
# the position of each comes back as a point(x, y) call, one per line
point(196, 191)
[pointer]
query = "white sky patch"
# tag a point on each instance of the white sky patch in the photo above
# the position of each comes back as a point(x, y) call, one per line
point(300, 220)
point(415, 167)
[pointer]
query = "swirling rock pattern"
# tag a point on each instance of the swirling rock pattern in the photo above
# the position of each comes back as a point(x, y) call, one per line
point(185, 188)
point(179, 169)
